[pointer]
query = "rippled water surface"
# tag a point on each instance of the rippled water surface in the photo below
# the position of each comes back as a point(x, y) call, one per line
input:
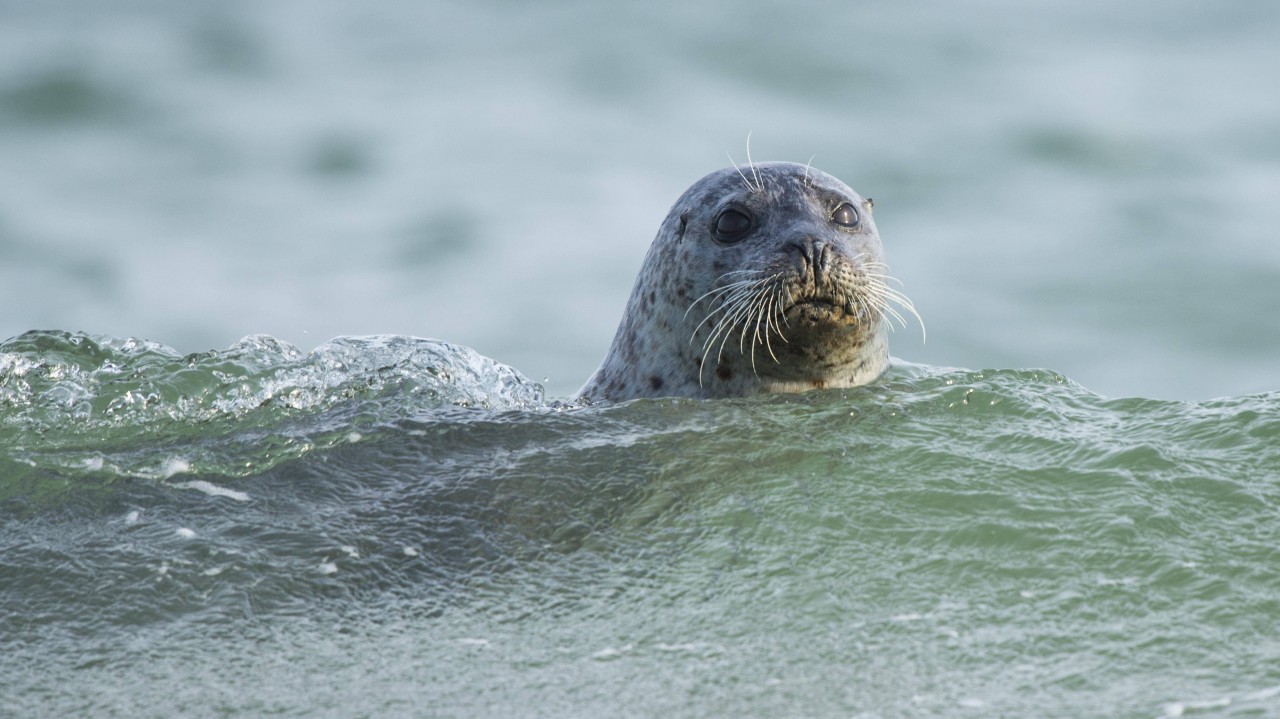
point(389, 525)
point(334, 517)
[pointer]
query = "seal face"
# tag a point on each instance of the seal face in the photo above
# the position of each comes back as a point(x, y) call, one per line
point(765, 278)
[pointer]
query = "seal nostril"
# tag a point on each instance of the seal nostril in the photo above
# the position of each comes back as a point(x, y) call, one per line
point(812, 250)
point(821, 258)
point(826, 256)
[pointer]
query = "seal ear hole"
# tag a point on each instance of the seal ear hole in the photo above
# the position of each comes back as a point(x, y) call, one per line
point(684, 221)
point(846, 215)
point(868, 203)
point(732, 224)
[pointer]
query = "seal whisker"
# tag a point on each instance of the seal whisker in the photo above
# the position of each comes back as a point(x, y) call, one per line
point(716, 331)
point(884, 278)
point(780, 308)
point(882, 295)
point(748, 310)
point(752, 165)
point(758, 305)
point(892, 293)
point(905, 303)
point(741, 174)
point(730, 308)
point(737, 312)
point(723, 333)
point(722, 325)
point(887, 309)
point(770, 324)
point(737, 304)
point(879, 270)
point(722, 289)
point(752, 303)
point(864, 307)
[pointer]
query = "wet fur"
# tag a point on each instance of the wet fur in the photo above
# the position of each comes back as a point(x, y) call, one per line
point(800, 303)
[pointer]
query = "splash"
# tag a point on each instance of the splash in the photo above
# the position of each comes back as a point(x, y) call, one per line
point(125, 406)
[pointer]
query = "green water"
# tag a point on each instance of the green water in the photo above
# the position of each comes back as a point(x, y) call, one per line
point(431, 539)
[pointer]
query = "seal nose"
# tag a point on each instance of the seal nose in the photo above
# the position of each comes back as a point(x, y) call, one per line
point(815, 256)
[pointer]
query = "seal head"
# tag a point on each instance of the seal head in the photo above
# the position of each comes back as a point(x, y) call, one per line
point(764, 278)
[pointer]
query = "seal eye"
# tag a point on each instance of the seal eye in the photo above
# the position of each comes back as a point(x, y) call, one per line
point(846, 216)
point(731, 225)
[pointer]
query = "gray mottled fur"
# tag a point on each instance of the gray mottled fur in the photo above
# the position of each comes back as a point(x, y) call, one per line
point(659, 350)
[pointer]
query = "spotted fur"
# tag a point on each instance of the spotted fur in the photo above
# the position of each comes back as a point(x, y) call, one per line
point(800, 302)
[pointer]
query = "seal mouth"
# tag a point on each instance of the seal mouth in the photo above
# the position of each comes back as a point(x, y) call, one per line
point(819, 311)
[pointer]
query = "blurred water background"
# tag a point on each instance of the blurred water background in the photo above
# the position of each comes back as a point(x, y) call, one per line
point(1089, 187)
point(1080, 197)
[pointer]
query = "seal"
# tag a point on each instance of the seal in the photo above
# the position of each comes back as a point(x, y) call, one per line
point(764, 278)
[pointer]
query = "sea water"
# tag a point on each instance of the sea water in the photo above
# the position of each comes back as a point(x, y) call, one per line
point(223, 493)
point(393, 526)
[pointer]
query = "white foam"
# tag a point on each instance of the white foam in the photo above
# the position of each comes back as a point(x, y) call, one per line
point(328, 568)
point(174, 465)
point(133, 517)
point(696, 647)
point(1262, 694)
point(185, 533)
point(410, 552)
point(212, 489)
point(612, 652)
point(1114, 581)
point(1177, 709)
